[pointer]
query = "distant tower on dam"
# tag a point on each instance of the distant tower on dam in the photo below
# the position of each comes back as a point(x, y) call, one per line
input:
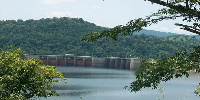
point(135, 63)
point(85, 61)
point(98, 62)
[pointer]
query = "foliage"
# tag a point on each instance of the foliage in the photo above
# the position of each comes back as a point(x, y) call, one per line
point(63, 35)
point(45, 36)
point(152, 72)
point(25, 78)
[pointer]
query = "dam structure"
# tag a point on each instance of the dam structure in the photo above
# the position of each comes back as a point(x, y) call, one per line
point(88, 61)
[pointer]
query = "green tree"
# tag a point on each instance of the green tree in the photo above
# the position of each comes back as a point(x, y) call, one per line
point(153, 72)
point(62, 36)
point(25, 78)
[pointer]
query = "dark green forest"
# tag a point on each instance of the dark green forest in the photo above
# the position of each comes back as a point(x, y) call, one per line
point(63, 36)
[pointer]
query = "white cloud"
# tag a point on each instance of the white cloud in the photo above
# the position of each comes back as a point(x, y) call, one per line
point(58, 14)
point(173, 30)
point(55, 1)
point(178, 30)
point(164, 29)
point(61, 14)
point(181, 31)
point(158, 28)
point(95, 7)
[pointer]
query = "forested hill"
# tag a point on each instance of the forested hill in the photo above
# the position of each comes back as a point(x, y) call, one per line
point(63, 36)
point(156, 33)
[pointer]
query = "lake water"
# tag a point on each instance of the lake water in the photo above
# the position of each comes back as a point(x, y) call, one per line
point(108, 84)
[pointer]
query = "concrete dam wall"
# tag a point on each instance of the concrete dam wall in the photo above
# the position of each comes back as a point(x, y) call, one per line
point(88, 61)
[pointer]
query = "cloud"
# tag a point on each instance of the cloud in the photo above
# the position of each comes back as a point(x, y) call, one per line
point(158, 28)
point(181, 31)
point(58, 14)
point(61, 14)
point(164, 29)
point(177, 30)
point(95, 7)
point(173, 30)
point(56, 1)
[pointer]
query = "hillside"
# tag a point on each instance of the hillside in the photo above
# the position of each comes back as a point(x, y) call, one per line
point(63, 36)
point(156, 33)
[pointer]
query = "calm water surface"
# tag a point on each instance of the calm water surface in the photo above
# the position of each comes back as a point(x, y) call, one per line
point(108, 84)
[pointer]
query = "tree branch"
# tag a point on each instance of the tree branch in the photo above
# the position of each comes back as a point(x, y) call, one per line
point(189, 28)
point(179, 8)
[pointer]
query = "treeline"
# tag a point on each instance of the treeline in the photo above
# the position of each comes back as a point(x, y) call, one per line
point(63, 36)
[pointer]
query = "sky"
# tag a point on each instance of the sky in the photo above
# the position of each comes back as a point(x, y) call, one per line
point(106, 13)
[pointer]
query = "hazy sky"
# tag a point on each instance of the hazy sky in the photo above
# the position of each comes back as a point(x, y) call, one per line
point(107, 13)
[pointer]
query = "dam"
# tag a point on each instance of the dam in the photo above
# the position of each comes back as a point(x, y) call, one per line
point(88, 61)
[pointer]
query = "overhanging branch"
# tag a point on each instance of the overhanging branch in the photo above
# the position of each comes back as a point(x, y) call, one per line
point(179, 8)
point(189, 28)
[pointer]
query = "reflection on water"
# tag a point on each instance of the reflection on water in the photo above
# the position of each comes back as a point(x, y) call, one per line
point(108, 84)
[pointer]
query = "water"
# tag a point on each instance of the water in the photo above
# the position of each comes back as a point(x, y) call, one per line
point(108, 84)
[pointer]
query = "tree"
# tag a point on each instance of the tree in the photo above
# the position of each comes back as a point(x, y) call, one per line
point(23, 79)
point(153, 72)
